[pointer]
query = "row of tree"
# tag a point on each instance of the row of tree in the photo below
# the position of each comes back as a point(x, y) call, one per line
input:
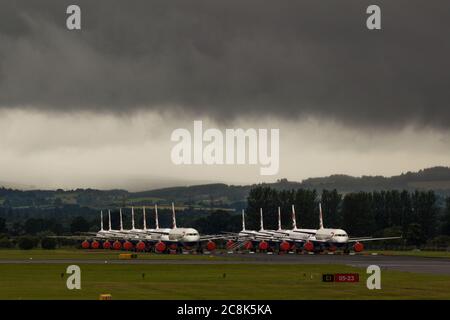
point(30, 242)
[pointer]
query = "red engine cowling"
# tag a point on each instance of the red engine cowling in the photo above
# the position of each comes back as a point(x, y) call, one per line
point(173, 246)
point(211, 246)
point(160, 247)
point(248, 245)
point(285, 246)
point(128, 245)
point(140, 246)
point(95, 244)
point(308, 246)
point(263, 245)
point(85, 244)
point(106, 245)
point(117, 245)
point(230, 244)
point(332, 248)
point(358, 247)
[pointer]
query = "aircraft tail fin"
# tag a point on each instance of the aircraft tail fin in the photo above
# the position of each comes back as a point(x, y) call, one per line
point(132, 218)
point(109, 219)
point(261, 217)
point(320, 216)
point(174, 219)
point(144, 218)
point(294, 221)
point(243, 220)
point(121, 220)
point(279, 218)
point(156, 216)
point(101, 220)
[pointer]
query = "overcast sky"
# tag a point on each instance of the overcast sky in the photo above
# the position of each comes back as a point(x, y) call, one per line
point(96, 107)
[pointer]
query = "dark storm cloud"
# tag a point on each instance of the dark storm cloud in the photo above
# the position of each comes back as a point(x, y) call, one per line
point(226, 59)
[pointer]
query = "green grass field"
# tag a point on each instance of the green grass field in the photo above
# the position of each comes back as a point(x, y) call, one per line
point(199, 281)
point(208, 282)
point(61, 254)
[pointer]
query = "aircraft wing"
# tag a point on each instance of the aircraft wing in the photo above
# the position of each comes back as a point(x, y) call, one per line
point(157, 232)
point(213, 237)
point(372, 239)
point(70, 237)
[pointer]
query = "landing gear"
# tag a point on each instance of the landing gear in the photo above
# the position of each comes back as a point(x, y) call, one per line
point(199, 249)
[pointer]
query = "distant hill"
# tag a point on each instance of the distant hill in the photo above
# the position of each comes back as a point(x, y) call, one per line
point(436, 178)
point(12, 185)
point(220, 195)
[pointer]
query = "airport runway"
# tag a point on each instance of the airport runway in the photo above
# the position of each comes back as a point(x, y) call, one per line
point(409, 264)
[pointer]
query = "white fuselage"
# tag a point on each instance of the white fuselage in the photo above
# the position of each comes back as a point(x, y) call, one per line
point(176, 234)
point(294, 234)
point(300, 234)
point(332, 235)
point(113, 234)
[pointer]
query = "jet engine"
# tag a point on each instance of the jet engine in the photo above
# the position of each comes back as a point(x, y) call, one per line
point(117, 245)
point(309, 246)
point(140, 246)
point(85, 244)
point(229, 245)
point(263, 245)
point(211, 246)
point(248, 245)
point(358, 247)
point(95, 244)
point(285, 246)
point(160, 247)
point(128, 245)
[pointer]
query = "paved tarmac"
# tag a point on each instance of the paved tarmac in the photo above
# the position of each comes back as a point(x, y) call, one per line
point(400, 263)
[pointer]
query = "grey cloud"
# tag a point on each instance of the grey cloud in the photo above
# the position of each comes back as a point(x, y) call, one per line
point(226, 59)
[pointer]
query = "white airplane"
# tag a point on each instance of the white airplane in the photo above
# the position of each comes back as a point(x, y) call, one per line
point(103, 237)
point(110, 233)
point(245, 237)
point(292, 237)
point(335, 238)
point(284, 239)
point(308, 239)
point(330, 238)
point(163, 238)
point(294, 233)
point(174, 233)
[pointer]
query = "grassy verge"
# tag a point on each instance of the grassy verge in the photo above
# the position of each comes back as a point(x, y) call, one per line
point(212, 282)
point(40, 254)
